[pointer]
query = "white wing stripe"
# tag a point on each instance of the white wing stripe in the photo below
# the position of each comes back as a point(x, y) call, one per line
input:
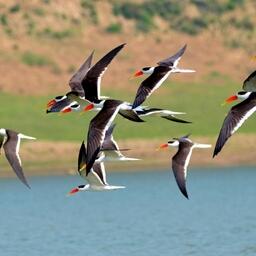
point(242, 120)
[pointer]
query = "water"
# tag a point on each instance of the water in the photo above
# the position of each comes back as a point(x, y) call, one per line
point(150, 217)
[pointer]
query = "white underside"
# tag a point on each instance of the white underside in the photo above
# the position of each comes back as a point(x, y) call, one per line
point(103, 188)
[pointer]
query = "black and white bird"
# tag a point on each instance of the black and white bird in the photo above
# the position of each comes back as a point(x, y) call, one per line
point(111, 150)
point(135, 114)
point(85, 83)
point(249, 84)
point(181, 159)
point(235, 117)
point(85, 89)
point(157, 75)
point(10, 141)
point(97, 130)
point(96, 176)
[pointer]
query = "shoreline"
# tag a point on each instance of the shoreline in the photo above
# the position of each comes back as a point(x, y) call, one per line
point(60, 158)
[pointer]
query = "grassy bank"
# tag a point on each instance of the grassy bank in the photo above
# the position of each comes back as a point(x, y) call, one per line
point(201, 102)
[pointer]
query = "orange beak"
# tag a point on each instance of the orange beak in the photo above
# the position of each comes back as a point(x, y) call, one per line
point(230, 99)
point(51, 103)
point(138, 73)
point(73, 191)
point(66, 110)
point(88, 107)
point(163, 146)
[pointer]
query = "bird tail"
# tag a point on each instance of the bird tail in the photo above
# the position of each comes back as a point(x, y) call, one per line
point(198, 145)
point(182, 70)
point(23, 136)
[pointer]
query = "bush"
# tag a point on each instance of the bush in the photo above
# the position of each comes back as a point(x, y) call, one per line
point(48, 32)
point(14, 8)
point(4, 20)
point(114, 28)
point(34, 59)
point(89, 5)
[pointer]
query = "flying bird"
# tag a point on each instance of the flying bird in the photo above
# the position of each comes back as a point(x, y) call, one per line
point(97, 130)
point(157, 75)
point(235, 117)
point(96, 176)
point(85, 83)
point(10, 141)
point(181, 159)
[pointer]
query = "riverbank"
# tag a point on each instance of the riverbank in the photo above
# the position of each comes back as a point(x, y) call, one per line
point(58, 158)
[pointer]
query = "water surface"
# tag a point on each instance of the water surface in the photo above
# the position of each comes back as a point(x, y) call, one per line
point(150, 217)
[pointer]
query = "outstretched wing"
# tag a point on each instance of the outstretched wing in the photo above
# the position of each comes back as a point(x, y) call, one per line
point(180, 163)
point(173, 60)
point(76, 79)
point(97, 129)
point(11, 148)
point(235, 118)
point(91, 83)
point(150, 84)
point(249, 84)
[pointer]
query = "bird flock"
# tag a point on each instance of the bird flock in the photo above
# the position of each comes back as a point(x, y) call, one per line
point(100, 146)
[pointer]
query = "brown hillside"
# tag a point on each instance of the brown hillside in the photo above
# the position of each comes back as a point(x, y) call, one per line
point(43, 42)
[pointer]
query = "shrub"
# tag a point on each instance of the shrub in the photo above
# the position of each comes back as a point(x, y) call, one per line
point(89, 5)
point(14, 8)
point(34, 59)
point(114, 28)
point(48, 32)
point(4, 20)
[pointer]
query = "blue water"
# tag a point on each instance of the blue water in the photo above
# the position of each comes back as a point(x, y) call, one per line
point(150, 217)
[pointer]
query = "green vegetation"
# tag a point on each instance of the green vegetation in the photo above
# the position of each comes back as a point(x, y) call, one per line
point(114, 28)
point(172, 11)
point(48, 32)
point(14, 8)
point(34, 59)
point(201, 102)
point(89, 6)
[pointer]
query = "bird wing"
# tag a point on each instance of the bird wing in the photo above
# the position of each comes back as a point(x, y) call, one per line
point(99, 170)
point(180, 163)
point(97, 129)
point(234, 119)
point(131, 115)
point(109, 143)
point(249, 84)
point(92, 80)
point(11, 148)
point(150, 84)
point(97, 174)
point(77, 78)
point(173, 60)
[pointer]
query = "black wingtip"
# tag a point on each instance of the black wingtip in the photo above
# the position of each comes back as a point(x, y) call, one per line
point(177, 120)
point(48, 111)
point(184, 193)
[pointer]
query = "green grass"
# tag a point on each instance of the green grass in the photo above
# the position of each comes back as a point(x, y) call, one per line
point(201, 102)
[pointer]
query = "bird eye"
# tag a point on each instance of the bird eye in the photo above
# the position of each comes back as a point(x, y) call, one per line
point(170, 141)
point(81, 186)
point(242, 93)
point(146, 68)
point(75, 106)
